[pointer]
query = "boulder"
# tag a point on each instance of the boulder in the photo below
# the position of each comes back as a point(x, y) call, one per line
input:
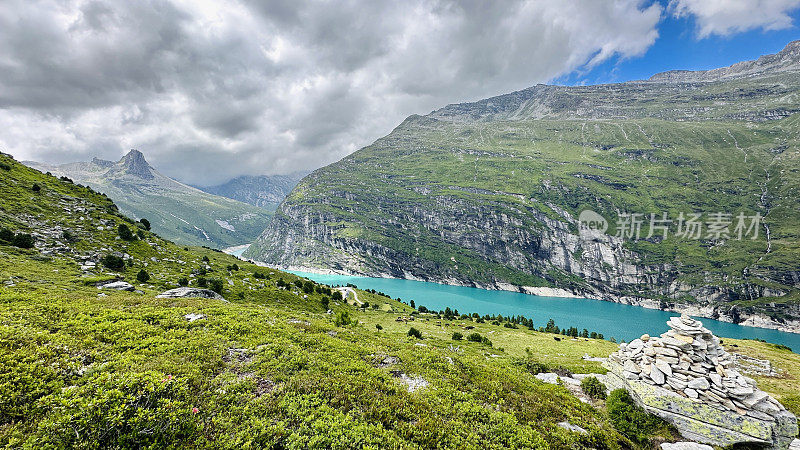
point(117, 286)
point(186, 292)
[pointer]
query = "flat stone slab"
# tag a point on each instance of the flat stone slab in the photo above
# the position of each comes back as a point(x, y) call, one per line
point(117, 286)
point(685, 446)
point(189, 292)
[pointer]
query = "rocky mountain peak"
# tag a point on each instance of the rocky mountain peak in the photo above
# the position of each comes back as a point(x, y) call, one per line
point(133, 164)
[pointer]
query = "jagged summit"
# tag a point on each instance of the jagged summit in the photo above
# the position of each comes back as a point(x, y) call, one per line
point(132, 164)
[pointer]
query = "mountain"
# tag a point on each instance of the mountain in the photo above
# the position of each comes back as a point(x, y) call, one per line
point(264, 191)
point(490, 193)
point(176, 211)
point(87, 366)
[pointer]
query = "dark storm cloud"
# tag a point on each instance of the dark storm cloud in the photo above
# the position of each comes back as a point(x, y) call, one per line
point(210, 90)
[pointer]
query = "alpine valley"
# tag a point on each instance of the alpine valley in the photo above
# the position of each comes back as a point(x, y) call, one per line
point(489, 193)
point(176, 211)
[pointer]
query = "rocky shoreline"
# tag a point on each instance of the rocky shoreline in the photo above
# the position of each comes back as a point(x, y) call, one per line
point(708, 312)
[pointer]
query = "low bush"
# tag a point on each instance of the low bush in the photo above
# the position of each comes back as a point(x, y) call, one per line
point(142, 276)
point(23, 240)
point(125, 233)
point(593, 388)
point(457, 336)
point(202, 282)
point(133, 410)
point(113, 262)
point(342, 319)
point(413, 332)
point(633, 421)
point(216, 285)
point(183, 281)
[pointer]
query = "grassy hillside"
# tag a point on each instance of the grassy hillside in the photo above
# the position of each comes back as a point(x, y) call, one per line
point(489, 193)
point(83, 367)
point(89, 368)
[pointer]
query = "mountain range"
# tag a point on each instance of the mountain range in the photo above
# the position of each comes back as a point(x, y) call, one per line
point(176, 211)
point(490, 194)
point(264, 191)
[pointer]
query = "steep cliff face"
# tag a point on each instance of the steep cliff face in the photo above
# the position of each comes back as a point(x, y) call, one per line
point(490, 194)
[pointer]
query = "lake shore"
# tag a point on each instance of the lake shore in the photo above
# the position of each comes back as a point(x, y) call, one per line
point(749, 320)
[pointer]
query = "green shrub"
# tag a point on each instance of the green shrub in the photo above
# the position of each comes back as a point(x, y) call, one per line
point(593, 388)
point(205, 259)
point(125, 233)
point(145, 223)
point(475, 337)
point(326, 303)
point(378, 326)
point(413, 332)
point(533, 366)
point(183, 281)
point(113, 262)
point(202, 282)
point(5, 166)
point(342, 319)
point(36, 187)
point(216, 285)
point(23, 240)
point(142, 276)
point(457, 336)
point(6, 235)
point(633, 421)
point(337, 295)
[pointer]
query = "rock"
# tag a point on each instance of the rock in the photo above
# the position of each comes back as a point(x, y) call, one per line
point(699, 383)
point(657, 375)
point(570, 427)
point(187, 292)
point(191, 317)
point(685, 446)
point(549, 377)
point(663, 367)
point(631, 366)
point(691, 393)
point(117, 286)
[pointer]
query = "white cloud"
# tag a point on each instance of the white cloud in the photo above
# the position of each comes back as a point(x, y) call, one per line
point(725, 17)
point(210, 90)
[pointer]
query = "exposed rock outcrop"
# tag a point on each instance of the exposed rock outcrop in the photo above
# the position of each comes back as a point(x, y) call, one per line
point(688, 379)
point(186, 292)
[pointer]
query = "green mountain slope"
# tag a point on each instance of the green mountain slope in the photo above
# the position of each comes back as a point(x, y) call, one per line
point(84, 367)
point(176, 211)
point(490, 193)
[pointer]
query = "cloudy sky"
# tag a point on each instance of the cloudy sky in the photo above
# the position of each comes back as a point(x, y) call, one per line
point(209, 90)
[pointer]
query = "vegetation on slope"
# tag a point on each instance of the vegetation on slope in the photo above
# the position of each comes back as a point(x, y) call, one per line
point(83, 367)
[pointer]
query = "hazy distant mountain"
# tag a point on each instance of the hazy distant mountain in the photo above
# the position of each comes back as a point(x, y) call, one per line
point(176, 211)
point(265, 191)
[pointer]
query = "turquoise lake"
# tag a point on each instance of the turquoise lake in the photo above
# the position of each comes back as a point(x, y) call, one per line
point(623, 322)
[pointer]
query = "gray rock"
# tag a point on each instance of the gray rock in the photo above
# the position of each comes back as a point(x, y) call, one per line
point(570, 427)
point(551, 378)
point(186, 292)
point(117, 286)
point(685, 446)
point(191, 317)
point(699, 383)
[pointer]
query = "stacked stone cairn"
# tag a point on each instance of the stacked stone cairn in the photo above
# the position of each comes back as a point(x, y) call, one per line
point(688, 361)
